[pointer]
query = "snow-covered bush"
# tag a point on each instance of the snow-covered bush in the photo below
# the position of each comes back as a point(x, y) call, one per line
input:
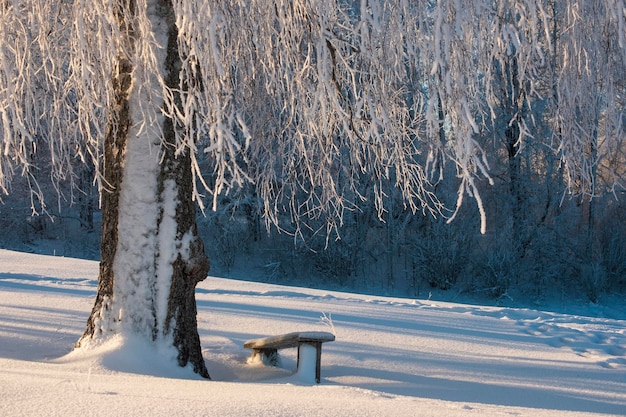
point(442, 253)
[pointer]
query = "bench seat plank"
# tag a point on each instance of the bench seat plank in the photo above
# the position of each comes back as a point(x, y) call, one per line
point(288, 340)
point(282, 341)
point(316, 337)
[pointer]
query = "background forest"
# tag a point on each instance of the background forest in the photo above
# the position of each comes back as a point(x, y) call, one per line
point(544, 244)
point(519, 107)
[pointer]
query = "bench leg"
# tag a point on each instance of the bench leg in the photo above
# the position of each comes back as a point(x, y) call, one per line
point(318, 358)
point(268, 356)
point(318, 361)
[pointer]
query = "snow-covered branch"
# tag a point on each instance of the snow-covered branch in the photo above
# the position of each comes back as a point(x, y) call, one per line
point(319, 103)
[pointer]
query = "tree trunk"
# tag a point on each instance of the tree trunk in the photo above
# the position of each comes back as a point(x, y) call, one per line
point(151, 255)
point(190, 265)
point(85, 198)
point(514, 112)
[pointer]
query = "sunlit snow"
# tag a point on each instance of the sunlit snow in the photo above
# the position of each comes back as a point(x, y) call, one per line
point(391, 356)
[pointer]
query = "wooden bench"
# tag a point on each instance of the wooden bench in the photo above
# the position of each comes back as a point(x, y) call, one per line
point(267, 348)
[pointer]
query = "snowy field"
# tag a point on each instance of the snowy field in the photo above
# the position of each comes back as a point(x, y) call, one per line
point(392, 357)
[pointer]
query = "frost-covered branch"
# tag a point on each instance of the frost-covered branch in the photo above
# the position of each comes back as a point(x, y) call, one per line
point(589, 105)
point(320, 104)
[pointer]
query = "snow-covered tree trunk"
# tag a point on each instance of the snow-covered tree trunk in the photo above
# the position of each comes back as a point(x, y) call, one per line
point(151, 256)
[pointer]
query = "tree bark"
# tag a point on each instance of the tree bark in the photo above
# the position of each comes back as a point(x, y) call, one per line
point(191, 265)
point(114, 150)
point(147, 281)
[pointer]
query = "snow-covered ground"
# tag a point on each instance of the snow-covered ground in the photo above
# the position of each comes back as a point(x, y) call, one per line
point(392, 357)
